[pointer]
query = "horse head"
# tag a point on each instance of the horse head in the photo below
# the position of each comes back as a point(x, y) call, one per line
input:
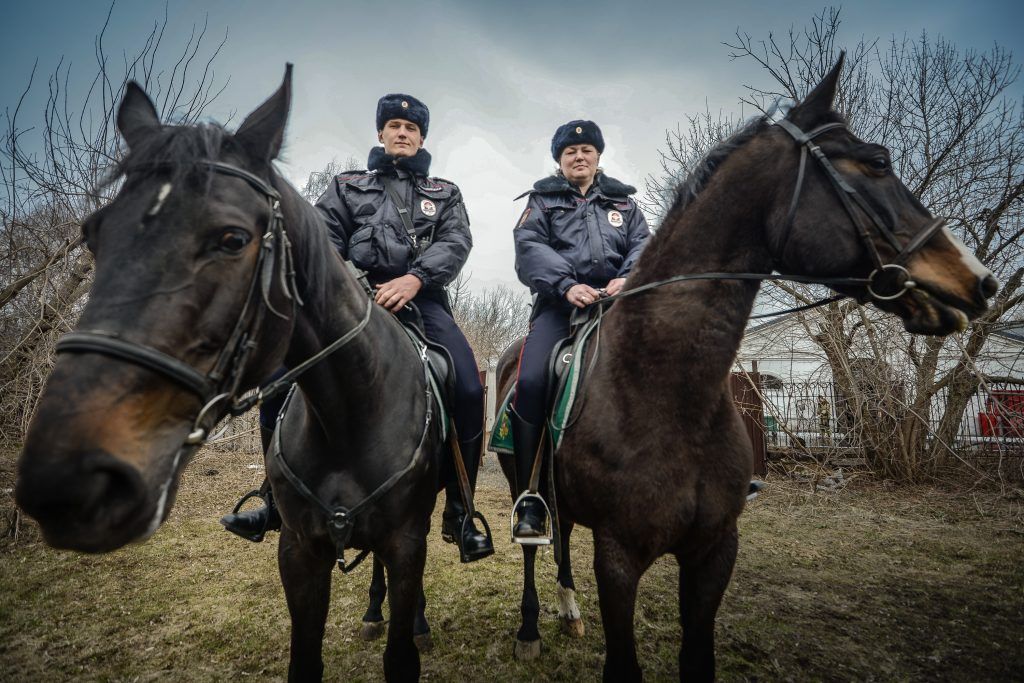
point(176, 324)
point(849, 214)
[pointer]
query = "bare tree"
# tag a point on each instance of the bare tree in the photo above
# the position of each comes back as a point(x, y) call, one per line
point(53, 171)
point(318, 181)
point(491, 319)
point(957, 141)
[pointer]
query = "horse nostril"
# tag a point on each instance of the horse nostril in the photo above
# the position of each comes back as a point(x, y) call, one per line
point(988, 287)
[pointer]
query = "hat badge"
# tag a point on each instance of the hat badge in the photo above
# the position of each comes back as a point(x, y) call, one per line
point(579, 130)
point(405, 105)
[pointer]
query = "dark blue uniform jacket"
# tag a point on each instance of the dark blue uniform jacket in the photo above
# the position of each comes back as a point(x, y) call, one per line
point(564, 238)
point(366, 228)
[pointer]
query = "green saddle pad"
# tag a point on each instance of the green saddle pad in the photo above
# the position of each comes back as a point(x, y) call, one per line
point(501, 434)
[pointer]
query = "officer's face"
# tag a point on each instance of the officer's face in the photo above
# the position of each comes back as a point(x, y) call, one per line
point(401, 138)
point(579, 163)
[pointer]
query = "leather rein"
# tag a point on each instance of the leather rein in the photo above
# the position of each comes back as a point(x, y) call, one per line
point(893, 275)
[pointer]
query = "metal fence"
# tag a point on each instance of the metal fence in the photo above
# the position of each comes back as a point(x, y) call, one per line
point(817, 415)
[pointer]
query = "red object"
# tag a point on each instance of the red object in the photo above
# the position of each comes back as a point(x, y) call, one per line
point(1003, 414)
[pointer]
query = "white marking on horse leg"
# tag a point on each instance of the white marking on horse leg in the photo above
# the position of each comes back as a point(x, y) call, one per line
point(971, 261)
point(165, 190)
point(567, 607)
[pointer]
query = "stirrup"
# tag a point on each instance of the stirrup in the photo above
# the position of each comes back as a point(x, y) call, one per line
point(255, 493)
point(530, 540)
point(467, 519)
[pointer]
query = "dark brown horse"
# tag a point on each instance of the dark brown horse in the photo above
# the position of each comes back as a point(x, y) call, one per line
point(658, 461)
point(211, 272)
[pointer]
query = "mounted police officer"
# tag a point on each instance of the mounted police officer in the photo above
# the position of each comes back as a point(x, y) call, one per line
point(576, 242)
point(410, 234)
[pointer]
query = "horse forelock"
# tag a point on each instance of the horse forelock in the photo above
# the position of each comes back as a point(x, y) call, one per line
point(173, 153)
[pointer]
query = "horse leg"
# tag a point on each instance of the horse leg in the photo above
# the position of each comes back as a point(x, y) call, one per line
point(702, 583)
point(528, 638)
point(568, 611)
point(373, 621)
point(618, 574)
point(306, 577)
point(420, 627)
point(405, 572)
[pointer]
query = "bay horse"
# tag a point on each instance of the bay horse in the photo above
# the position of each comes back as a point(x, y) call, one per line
point(657, 461)
point(211, 272)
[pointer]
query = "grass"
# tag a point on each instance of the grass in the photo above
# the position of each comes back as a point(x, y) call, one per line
point(871, 583)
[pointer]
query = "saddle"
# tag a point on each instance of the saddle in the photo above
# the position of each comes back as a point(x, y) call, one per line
point(439, 363)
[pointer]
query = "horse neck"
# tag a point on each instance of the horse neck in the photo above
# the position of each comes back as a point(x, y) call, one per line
point(691, 331)
point(353, 382)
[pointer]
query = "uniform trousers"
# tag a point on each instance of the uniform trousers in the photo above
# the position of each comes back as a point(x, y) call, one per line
point(549, 325)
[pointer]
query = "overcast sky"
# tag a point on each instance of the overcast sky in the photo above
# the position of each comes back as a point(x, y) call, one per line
point(498, 77)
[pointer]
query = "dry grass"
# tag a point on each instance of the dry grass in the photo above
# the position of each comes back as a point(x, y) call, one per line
point(871, 583)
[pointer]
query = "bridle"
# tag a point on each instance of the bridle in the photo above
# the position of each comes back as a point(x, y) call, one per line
point(218, 389)
point(893, 274)
point(851, 201)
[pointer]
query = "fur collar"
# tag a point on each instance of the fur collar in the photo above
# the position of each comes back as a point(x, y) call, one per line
point(382, 162)
point(605, 185)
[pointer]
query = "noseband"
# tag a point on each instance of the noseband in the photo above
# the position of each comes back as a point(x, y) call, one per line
point(219, 387)
point(851, 201)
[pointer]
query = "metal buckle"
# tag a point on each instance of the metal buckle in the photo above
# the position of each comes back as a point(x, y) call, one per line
point(530, 540)
point(198, 433)
point(905, 286)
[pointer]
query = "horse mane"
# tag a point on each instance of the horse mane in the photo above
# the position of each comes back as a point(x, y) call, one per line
point(312, 246)
point(176, 152)
point(701, 175)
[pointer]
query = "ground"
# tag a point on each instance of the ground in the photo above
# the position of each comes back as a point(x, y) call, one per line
point(872, 582)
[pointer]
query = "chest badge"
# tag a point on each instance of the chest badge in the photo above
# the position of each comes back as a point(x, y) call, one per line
point(428, 207)
point(615, 218)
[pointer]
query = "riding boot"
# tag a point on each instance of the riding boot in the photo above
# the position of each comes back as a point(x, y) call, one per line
point(455, 528)
point(252, 525)
point(526, 439)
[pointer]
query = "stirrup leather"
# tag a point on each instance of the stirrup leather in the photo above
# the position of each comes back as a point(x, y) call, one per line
point(530, 540)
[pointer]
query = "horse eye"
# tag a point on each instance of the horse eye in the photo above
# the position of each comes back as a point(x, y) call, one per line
point(879, 163)
point(233, 240)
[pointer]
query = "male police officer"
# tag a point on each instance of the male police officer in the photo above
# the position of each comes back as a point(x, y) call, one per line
point(410, 233)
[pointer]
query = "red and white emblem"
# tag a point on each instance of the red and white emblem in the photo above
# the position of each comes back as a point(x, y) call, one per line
point(428, 207)
point(615, 218)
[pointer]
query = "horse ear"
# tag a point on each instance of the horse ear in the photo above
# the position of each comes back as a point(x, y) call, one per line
point(262, 132)
point(819, 101)
point(136, 116)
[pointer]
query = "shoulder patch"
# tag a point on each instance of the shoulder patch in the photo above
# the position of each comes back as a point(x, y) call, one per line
point(442, 182)
point(523, 218)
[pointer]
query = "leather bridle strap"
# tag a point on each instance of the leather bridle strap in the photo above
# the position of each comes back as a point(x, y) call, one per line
point(108, 344)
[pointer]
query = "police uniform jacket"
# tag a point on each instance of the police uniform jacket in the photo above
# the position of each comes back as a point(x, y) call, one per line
point(366, 227)
point(564, 238)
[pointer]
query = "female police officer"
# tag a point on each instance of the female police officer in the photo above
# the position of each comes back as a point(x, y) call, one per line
point(576, 241)
point(410, 233)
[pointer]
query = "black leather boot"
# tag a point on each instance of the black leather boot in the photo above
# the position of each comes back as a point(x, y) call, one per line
point(252, 525)
point(532, 520)
point(455, 527)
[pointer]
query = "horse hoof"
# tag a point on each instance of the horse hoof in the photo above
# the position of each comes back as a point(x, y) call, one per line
point(573, 628)
point(527, 650)
point(424, 643)
point(372, 630)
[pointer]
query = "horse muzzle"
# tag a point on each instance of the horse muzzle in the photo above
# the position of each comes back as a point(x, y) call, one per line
point(88, 501)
